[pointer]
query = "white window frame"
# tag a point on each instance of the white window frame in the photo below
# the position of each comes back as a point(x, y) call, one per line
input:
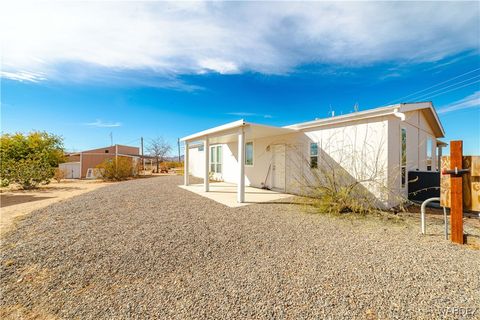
point(431, 151)
point(313, 155)
point(253, 154)
point(214, 162)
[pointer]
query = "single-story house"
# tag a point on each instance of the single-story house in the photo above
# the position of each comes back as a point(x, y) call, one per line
point(375, 147)
point(82, 164)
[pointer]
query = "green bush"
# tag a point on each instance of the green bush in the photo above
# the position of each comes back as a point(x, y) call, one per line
point(4, 183)
point(116, 170)
point(28, 173)
point(29, 159)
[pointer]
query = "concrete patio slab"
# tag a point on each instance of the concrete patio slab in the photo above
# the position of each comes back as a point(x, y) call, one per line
point(226, 194)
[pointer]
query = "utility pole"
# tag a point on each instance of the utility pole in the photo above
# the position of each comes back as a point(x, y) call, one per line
point(178, 143)
point(143, 158)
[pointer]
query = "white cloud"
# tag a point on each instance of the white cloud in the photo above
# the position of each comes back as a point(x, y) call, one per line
point(242, 114)
point(100, 124)
point(471, 101)
point(250, 114)
point(169, 39)
point(22, 76)
point(220, 66)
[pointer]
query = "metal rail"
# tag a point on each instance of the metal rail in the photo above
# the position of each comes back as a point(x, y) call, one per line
point(424, 206)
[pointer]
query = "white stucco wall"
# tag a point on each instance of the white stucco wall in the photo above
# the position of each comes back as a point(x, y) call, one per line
point(364, 149)
point(196, 162)
point(255, 175)
point(418, 131)
point(357, 150)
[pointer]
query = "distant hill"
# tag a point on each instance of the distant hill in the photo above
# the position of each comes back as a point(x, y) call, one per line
point(173, 158)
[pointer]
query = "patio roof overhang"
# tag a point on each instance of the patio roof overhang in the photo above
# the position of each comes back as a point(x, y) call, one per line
point(237, 131)
point(229, 132)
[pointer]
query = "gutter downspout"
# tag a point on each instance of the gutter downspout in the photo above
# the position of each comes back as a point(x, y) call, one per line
point(398, 114)
point(402, 118)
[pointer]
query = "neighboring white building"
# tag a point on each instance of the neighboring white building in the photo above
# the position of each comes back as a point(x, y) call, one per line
point(361, 144)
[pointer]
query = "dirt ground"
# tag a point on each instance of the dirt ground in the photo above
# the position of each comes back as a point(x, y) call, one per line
point(15, 204)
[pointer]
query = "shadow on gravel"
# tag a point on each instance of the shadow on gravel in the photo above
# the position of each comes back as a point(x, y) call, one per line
point(10, 200)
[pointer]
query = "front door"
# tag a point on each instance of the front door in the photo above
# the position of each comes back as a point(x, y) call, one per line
point(278, 167)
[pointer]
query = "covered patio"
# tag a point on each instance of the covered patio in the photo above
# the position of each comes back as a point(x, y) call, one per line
point(225, 193)
point(238, 131)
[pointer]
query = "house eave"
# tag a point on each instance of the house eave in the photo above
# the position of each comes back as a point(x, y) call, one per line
point(228, 132)
point(214, 130)
point(374, 113)
point(378, 112)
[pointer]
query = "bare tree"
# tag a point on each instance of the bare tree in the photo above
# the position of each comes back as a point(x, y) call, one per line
point(158, 148)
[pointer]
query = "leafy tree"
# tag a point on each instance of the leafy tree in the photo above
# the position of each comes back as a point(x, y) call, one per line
point(159, 148)
point(29, 173)
point(29, 159)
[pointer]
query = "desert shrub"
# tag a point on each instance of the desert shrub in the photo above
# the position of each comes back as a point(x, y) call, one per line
point(29, 159)
point(116, 169)
point(172, 164)
point(334, 195)
point(59, 174)
point(28, 173)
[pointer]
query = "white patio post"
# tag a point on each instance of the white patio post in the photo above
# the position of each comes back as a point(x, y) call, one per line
point(206, 178)
point(185, 165)
point(241, 167)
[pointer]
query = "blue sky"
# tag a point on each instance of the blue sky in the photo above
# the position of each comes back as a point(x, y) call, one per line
point(83, 70)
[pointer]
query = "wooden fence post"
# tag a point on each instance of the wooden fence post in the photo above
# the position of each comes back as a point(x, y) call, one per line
point(456, 202)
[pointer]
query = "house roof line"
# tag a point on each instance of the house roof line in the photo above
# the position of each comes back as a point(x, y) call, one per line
point(224, 127)
point(394, 109)
point(253, 129)
point(107, 147)
point(372, 113)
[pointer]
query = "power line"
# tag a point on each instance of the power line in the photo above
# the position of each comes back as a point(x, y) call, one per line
point(443, 88)
point(436, 85)
point(466, 85)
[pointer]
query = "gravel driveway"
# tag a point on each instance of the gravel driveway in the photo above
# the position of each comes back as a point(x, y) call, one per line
point(148, 249)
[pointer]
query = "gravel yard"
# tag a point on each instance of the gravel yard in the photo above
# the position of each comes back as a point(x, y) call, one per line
point(148, 249)
point(17, 203)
